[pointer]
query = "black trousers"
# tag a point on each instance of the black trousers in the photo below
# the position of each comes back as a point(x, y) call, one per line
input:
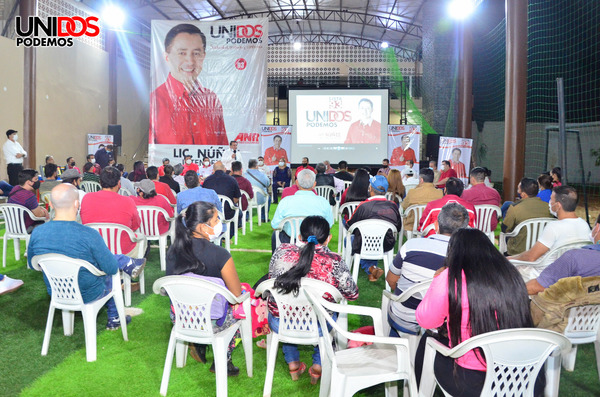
point(12, 170)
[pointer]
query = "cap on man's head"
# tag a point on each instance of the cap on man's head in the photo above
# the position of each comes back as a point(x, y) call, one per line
point(70, 174)
point(10, 132)
point(379, 183)
point(146, 186)
point(410, 172)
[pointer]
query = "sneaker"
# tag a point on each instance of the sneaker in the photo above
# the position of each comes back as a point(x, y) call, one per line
point(135, 267)
point(232, 370)
point(114, 323)
point(8, 285)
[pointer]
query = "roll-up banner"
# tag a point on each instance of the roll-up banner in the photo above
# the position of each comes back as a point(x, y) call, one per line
point(95, 140)
point(276, 141)
point(458, 152)
point(404, 143)
point(209, 87)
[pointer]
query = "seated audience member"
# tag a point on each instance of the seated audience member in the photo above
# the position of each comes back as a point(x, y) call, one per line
point(447, 173)
point(423, 193)
point(24, 194)
point(88, 173)
point(8, 285)
point(282, 177)
point(385, 168)
point(161, 169)
point(206, 169)
point(71, 164)
point(545, 187)
point(584, 262)
point(178, 171)
point(147, 196)
point(304, 166)
point(126, 183)
point(189, 165)
point(167, 178)
point(49, 160)
point(194, 254)
point(81, 242)
point(329, 170)
point(408, 167)
point(453, 192)
point(243, 183)
point(358, 189)
point(343, 173)
point(506, 306)
point(50, 175)
point(375, 207)
point(436, 173)
point(528, 207)
point(90, 158)
point(568, 228)
point(322, 179)
point(480, 194)
point(411, 180)
point(195, 192)
point(556, 175)
point(291, 190)
point(107, 206)
point(313, 260)
point(138, 173)
point(225, 185)
point(395, 185)
point(161, 188)
point(261, 181)
point(416, 262)
point(73, 177)
point(304, 203)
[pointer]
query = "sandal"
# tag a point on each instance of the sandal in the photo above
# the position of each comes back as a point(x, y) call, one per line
point(262, 343)
point(295, 374)
point(314, 377)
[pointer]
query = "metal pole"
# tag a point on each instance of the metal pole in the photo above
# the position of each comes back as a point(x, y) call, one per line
point(562, 134)
point(465, 81)
point(27, 8)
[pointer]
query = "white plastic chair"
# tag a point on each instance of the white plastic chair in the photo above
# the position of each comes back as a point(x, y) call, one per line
point(233, 222)
point(15, 229)
point(417, 211)
point(326, 192)
point(347, 371)
point(192, 299)
point(298, 323)
point(111, 234)
point(347, 184)
point(174, 205)
point(484, 215)
point(534, 228)
point(372, 233)
point(531, 270)
point(90, 186)
point(348, 208)
point(150, 216)
point(514, 357)
point(260, 207)
point(224, 235)
point(247, 213)
point(391, 196)
point(62, 273)
point(294, 222)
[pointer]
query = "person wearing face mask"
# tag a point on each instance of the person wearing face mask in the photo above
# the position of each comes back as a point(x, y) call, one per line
point(447, 173)
point(194, 254)
point(206, 169)
point(24, 194)
point(385, 168)
point(282, 176)
point(583, 262)
point(13, 155)
point(569, 227)
point(71, 165)
point(304, 166)
point(259, 180)
point(103, 156)
point(189, 165)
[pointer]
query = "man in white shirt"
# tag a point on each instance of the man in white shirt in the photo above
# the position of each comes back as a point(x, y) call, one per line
point(230, 155)
point(14, 155)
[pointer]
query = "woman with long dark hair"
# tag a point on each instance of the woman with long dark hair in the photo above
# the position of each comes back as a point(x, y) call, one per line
point(313, 260)
point(556, 175)
point(138, 173)
point(193, 254)
point(358, 189)
point(480, 291)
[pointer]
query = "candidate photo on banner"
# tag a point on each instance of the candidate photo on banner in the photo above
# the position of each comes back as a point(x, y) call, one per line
point(404, 142)
point(458, 152)
point(276, 144)
point(208, 86)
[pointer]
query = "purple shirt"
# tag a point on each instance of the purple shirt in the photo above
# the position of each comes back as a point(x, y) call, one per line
point(582, 262)
point(23, 197)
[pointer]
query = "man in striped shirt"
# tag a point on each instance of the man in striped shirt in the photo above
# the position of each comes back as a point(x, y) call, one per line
point(417, 262)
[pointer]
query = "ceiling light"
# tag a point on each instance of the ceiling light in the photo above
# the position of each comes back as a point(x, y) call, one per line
point(461, 9)
point(384, 44)
point(113, 16)
point(297, 45)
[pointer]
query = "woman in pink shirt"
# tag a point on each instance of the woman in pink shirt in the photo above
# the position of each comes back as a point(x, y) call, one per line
point(480, 291)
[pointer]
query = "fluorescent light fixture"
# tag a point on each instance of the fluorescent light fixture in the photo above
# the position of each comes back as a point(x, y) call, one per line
point(461, 9)
point(113, 16)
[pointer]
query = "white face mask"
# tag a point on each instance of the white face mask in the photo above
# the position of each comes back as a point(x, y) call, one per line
point(261, 163)
point(206, 163)
point(188, 161)
point(281, 163)
point(16, 137)
point(552, 211)
point(93, 161)
point(217, 230)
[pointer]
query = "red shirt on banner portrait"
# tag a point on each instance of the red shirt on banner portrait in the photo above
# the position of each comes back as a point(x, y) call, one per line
point(459, 168)
point(178, 116)
point(397, 153)
point(272, 156)
point(364, 133)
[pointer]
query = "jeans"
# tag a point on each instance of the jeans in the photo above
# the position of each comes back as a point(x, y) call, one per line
point(365, 264)
point(290, 352)
point(504, 208)
point(5, 187)
point(111, 307)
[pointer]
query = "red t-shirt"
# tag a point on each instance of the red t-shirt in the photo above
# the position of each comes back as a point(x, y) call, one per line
point(190, 167)
point(272, 155)
point(308, 167)
point(409, 154)
point(109, 207)
point(446, 174)
point(157, 201)
point(165, 190)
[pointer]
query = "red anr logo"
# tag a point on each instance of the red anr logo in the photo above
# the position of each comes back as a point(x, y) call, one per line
point(240, 64)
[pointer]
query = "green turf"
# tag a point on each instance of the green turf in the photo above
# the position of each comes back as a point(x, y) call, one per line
point(135, 367)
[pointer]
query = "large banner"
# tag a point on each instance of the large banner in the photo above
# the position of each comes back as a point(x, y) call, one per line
point(276, 141)
point(209, 86)
point(95, 140)
point(404, 143)
point(458, 152)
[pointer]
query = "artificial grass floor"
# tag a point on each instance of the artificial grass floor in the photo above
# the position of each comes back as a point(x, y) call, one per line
point(135, 367)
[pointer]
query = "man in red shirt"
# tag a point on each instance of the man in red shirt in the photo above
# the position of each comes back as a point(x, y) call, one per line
point(403, 153)
point(189, 165)
point(107, 206)
point(480, 194)
point(243, 183)
point(161, 169)
point(304, 166)
point(447, 173)
point(181, 110)
point(147, 196)
point(275, 152)
point(365, 129)
point(161, 188)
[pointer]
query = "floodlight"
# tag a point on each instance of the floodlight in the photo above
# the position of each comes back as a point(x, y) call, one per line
point(461, 9)
point(384, 44)
point(297, 45)
point(113, 16)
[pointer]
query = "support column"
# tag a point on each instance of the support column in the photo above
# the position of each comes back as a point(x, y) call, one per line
point(516, 96)
point(111, 47)
point(27, 8)
point(465, 80)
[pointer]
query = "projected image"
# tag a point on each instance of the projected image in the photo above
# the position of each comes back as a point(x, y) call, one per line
point(365, 129)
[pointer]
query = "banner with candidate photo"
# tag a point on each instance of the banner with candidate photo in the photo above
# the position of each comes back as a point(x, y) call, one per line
point(276, 142)
point(458, 152)
point(95, 140)
point(404, 143)
point(209, 84)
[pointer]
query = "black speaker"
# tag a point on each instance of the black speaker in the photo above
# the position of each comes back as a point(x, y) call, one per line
point(282, 92)
point(432, 147)
point(115, 131)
